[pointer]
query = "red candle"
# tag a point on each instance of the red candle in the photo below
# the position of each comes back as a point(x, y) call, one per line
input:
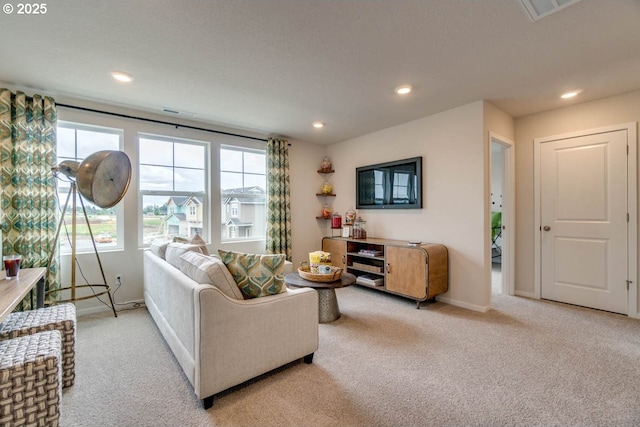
point(336, 221)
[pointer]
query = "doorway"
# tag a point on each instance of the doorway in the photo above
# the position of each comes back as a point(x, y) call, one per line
point(502, 214)
point(586, 218)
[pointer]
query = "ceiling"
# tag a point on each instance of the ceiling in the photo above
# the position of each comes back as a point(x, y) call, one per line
point(276, 66)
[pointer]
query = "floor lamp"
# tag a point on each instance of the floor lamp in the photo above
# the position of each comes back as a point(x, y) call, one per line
point(103, 179)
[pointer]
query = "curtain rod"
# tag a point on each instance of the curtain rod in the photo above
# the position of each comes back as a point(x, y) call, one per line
point(177, 125)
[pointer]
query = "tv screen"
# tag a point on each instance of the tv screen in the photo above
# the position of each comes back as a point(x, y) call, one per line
point(390, 185)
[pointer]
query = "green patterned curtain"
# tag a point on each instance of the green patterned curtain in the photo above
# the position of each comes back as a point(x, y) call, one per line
point(28, 191)
point(278, 198)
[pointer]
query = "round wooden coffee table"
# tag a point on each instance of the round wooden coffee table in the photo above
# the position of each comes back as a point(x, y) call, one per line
point(328, 309)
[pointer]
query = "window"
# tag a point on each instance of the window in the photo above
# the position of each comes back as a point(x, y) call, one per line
point(76, 142)
point(173, 177)
point(243, 184)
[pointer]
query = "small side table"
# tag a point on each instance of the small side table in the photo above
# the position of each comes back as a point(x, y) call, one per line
point(328, 309)
point(13, 290)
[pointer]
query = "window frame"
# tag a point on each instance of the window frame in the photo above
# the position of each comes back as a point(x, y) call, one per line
point(62, 195)
point(204, 195)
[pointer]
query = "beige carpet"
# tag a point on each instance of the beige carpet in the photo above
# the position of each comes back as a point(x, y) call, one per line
point(383, 363)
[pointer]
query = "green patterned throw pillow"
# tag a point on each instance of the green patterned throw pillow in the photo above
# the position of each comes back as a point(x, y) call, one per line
point(256, 275)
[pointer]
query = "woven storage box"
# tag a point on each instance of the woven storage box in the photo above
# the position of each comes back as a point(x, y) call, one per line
point(30, 374)
point(60, 317)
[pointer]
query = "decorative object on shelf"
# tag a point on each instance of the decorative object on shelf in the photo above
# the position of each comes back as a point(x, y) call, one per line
point(369, 280)
point(336, 220)
point(326, 188)
point(103, 179)
point(326, 191)
point(349, 217)
point(334, 274)
point(359, 228)
point(325, 166)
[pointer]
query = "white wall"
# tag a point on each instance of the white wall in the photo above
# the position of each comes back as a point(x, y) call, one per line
point(307, 232)
point(455, 192)
point(605, 112)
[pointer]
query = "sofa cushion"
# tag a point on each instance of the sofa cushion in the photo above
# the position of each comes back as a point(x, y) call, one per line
point(209, 270)
point(176, 250)
point(159, 247)
point(256, 275)
point(197, 240)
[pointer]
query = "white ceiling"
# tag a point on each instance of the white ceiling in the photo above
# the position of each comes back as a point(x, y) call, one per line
point(275, 66)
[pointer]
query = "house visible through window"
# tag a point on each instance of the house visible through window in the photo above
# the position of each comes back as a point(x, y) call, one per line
point(173, 189)
point(76, 142)
point(243, 184)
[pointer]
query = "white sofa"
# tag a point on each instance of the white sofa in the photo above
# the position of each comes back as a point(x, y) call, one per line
point(218, 340)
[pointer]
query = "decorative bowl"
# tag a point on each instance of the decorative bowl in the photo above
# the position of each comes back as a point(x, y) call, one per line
point(305, 273)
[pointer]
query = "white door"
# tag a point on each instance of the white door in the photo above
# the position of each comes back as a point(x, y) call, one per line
point(583, 202)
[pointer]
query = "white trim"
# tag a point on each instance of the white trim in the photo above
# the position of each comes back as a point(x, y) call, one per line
point(537, 292)
point(524, 294)
point(508, 211)
point(462, 304)
point(632, 207)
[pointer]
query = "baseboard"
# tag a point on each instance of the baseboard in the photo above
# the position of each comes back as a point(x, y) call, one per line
point(118, 306)
point(481, 309)
point(525, 294)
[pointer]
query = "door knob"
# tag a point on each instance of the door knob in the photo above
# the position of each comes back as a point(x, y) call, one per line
point(546, 228)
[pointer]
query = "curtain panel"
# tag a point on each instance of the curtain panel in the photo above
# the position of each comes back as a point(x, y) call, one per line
point(28, 190)
point(278, 198)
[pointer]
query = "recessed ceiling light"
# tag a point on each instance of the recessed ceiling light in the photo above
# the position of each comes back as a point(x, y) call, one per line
point(318, 125)
point(570, 94)
point(122, 76)
point(403, 90)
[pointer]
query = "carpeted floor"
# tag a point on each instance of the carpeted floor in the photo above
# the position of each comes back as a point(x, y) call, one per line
point(383, 363)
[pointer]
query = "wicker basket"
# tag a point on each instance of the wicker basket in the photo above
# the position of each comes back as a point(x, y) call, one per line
point(306, 274)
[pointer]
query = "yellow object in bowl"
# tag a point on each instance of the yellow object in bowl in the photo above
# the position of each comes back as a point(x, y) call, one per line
point(318, 258)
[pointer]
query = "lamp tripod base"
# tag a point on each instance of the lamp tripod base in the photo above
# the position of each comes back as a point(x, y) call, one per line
point(72, 195)
point(74, 299)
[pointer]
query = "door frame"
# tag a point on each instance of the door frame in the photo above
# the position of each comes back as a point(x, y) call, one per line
point(508, 210)
point(632, 208)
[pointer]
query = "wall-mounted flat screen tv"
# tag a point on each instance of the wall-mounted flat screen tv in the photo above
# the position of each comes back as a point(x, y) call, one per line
point(390, 185)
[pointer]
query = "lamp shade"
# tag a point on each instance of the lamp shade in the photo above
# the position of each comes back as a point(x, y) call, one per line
point(103, 177)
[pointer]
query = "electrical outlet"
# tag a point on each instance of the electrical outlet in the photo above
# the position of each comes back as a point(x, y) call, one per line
point(118, 279)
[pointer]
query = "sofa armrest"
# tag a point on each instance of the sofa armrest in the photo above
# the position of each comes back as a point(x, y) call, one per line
point(240, 339)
